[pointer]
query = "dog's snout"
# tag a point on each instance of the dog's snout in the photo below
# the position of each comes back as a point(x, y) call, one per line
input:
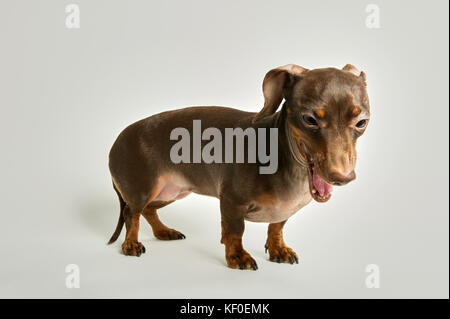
point(341, 178)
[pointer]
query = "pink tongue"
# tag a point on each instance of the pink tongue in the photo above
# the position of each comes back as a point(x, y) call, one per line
point(320, 185)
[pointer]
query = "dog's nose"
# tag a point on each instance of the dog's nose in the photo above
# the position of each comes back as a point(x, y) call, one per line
point(339, 178)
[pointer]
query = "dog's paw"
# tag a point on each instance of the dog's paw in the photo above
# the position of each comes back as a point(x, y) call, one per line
point(281, 254)
point(132, 248)
point(169, 234)
point(241, 260)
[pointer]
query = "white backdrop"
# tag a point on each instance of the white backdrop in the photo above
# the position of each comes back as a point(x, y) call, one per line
point(67, 93)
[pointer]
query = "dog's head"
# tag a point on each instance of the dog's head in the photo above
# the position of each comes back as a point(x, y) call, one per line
point(326, 111)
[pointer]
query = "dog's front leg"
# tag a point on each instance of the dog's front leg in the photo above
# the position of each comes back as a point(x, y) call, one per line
point(232, 230)
point(278, 251)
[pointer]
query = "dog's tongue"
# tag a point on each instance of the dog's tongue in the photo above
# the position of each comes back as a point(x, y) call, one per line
point(320, 185)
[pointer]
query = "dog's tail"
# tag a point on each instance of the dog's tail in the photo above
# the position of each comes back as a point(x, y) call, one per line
point(121, 219)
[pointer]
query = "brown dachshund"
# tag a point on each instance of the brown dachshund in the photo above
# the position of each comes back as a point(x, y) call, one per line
point(324, 113)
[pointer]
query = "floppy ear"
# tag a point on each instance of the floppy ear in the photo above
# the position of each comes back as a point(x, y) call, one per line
point(274, 84)
point(352, 69)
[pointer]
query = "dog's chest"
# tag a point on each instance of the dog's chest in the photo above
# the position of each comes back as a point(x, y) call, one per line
point(271, 208)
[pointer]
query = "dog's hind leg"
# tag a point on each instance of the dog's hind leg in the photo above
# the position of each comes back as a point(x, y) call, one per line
point(131, 246)
point(160, 230)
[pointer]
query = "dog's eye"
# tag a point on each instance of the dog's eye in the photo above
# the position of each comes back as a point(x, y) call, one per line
point(361, 124)
point(309, 120)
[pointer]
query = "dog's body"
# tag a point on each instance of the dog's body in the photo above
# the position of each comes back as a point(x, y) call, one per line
point(314, 151)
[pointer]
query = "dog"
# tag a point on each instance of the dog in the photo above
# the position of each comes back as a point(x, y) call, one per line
point(323, 114)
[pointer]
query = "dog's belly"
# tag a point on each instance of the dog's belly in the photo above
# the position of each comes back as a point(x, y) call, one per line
point(267, 209)
point(172, 187)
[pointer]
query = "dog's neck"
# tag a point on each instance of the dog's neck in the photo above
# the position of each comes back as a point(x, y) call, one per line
point(293, 147)
point(290, 160)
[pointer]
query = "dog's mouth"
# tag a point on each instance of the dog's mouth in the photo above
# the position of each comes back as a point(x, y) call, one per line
point(319, 189)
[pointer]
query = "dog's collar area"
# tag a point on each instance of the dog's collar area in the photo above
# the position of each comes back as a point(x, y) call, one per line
point(294, 148)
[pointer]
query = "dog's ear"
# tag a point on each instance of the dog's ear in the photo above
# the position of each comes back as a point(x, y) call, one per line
point(275, 84)
point(352, 69)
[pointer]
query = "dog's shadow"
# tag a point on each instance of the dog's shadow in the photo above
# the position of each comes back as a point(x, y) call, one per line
point(100, 216)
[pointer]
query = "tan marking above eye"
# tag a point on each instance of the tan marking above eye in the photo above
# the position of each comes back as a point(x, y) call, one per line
point(356, 111)
point(320, 113)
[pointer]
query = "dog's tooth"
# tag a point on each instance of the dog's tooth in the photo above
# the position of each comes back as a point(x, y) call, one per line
point(314, 191)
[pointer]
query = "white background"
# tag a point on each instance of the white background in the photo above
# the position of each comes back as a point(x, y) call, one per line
point(67, 93)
